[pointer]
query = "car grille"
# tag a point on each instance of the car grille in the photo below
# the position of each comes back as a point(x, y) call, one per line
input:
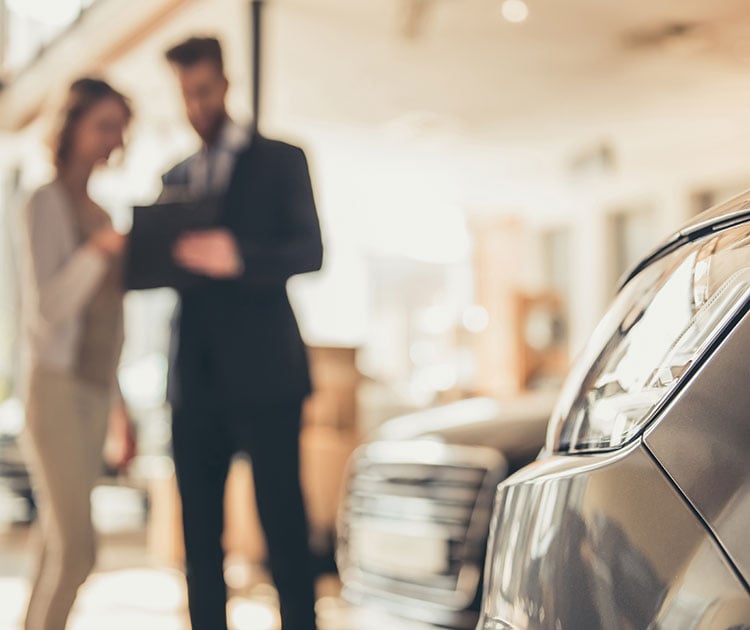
point(416, 490)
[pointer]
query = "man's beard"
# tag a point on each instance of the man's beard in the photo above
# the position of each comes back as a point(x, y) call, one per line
point(211, 133)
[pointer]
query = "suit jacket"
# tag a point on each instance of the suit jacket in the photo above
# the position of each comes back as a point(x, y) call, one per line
point(239, 338)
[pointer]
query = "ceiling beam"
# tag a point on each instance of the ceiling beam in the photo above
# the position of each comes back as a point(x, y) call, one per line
point(108, 30)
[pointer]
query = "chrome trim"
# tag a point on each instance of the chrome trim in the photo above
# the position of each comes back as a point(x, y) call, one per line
point(719, 219)
point(405, 609)
point(723, 216)
point(423, 461)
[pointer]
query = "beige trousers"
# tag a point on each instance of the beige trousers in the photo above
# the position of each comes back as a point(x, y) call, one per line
point(66, 424)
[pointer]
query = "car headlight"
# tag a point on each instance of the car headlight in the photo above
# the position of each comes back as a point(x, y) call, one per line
point(653, 336)
point(495, 624)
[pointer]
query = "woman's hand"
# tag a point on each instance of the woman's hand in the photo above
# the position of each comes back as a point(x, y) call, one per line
point(120, 446)
point(108, 241)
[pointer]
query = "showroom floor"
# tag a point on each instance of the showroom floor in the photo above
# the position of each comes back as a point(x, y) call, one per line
point(126, 592)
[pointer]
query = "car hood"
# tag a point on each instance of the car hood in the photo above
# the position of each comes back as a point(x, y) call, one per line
point(517, 426)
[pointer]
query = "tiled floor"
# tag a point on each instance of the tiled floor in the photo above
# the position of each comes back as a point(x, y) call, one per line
point(126, 593)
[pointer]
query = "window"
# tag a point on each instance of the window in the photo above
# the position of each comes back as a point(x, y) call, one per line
point(30, 25)
point(630, 237)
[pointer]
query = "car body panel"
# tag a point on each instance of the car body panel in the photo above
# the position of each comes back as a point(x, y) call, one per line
point(605, 541)
point(702, 442)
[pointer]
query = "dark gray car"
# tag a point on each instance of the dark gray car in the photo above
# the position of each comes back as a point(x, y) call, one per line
point(414, 518)
point(637, 513)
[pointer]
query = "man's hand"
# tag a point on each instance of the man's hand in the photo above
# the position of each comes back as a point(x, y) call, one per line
point(212, 253)
point(108, 241)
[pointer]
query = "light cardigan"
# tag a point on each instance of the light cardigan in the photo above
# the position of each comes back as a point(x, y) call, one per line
point(60, 275)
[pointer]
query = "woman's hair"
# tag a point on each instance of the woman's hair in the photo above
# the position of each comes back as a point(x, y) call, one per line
point(83, 95)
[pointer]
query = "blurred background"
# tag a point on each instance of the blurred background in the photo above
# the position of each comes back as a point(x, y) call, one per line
point(485, 171)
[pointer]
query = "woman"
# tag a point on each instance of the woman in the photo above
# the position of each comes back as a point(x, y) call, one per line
point(72, 321)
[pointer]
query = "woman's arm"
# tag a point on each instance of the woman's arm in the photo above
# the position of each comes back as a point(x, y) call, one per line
point(64, 281)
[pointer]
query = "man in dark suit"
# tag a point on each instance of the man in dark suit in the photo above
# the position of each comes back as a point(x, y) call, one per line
point(240, 366)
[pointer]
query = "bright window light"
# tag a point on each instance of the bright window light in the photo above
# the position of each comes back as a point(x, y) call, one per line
point(476, 318)
point(47, 12)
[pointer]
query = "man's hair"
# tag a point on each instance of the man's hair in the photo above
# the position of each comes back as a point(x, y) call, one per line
point(195, 50)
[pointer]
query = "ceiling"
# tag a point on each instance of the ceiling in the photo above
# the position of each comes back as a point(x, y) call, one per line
point(643, 74)
point(574, 63)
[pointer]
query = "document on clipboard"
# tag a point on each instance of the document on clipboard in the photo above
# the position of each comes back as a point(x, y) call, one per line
point(149, 263)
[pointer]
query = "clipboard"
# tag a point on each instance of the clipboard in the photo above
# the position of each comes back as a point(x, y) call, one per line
point(149, 263)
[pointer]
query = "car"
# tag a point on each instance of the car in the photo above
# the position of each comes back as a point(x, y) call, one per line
point(413, 520)
point(636, 512)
